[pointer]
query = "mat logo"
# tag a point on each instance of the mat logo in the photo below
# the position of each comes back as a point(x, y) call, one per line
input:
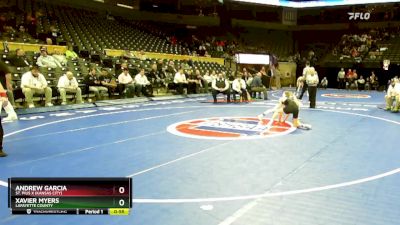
point(345, 96)
point(229, 128)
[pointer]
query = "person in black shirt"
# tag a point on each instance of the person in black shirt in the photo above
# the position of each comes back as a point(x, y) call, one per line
point(108, 81)
point(94, 84)
point(288, 104)
point(20, 60)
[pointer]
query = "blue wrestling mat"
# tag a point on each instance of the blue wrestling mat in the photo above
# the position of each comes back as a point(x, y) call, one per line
point(194, 163)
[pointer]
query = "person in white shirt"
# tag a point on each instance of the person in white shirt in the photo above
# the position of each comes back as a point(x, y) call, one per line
point(68, 84)
point(180, 82)
point(126, 84)
point(33, 82)
point(324, 83)
point(393, 96)
point(46, 60)
point(220, 85)
point(341, 79)
point(143, 85)
point(239, 87)
point(312, 83)
point(61, 58)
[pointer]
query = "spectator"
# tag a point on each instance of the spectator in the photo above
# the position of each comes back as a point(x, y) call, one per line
point(220, 85)
point(31, 24)
point(128, 55)
point(108, 81)
point(374, 81)
point(258, 87)
point(126, 84)
point(46, 60)
point(324, 83)
point(52, 35)
point(94, 84)
point(5, 82)
point(203, 81)
point(393, 96)
point(193, 82)
point(20, 59)
point(239, 87)
point(68, 84)
point(70, 54)
point(33, 82)
point(208, 78)
point(361, 83)
point(23, 33)
point(180, 82)
point(141, 55)
point(171, 67)
point(61, 58)
point(143, 85)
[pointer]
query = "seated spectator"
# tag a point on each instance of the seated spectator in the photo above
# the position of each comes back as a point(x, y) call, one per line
point(68, 84)
point(126, 84)
point(392, 96)
point(70, 54)
point(324, 83)
point(374, 81)
point(239, 87)
point(208, 78)
point(141, 55)
point(128, 55)
point(220, 86)
point(108, 81)
point(203, 81)
point(20, 59)
point(53, 34)
point(194, 83)
point(33, 82)
point(61, 58)
point(143, 85)
point(367, 84)
point(180, 82)
point(257, 87)
point(46, 60)
point(171, 67)
point(361, 83)
point(94, 85)
point(7, 86)
point(23, 33)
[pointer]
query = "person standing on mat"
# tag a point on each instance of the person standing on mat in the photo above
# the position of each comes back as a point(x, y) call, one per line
point(305, 86)
point(287, 104)
point(312, 83)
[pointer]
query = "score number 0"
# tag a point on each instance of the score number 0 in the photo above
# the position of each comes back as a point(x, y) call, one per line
point(121, 190)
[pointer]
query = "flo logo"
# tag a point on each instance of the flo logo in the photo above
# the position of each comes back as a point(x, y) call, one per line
point(358, 15)
point(229, 128)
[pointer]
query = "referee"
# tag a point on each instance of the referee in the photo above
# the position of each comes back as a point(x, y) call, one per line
point(305, 86)
point(312, 83)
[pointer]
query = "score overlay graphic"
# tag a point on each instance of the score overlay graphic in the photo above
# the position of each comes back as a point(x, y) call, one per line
point(77, 196)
